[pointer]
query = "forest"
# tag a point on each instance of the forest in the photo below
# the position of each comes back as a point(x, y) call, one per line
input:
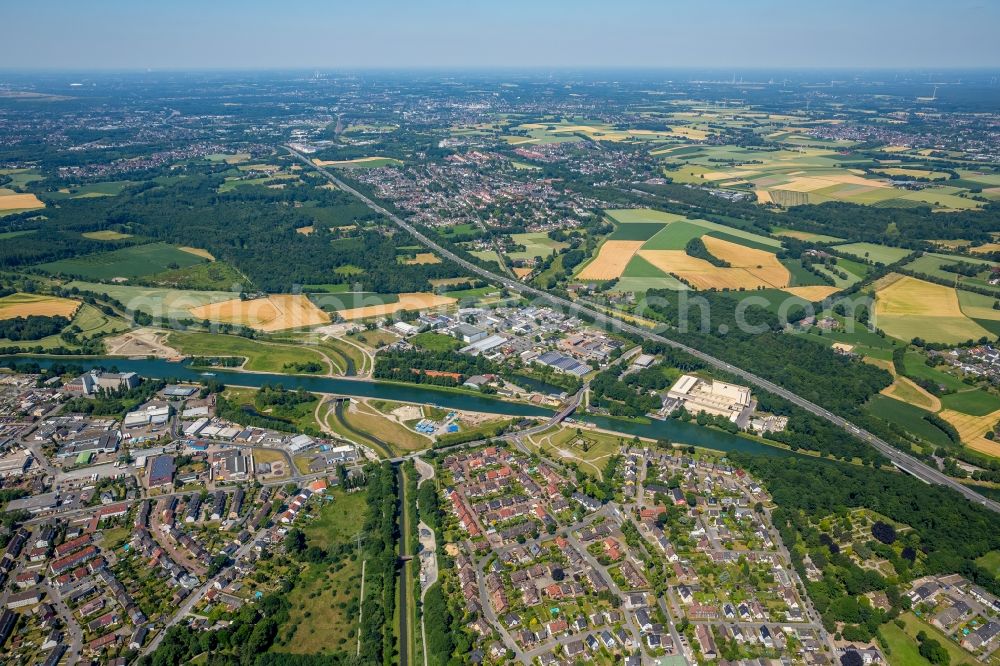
point(948, 532)
point(32, 327)
point(242, 227)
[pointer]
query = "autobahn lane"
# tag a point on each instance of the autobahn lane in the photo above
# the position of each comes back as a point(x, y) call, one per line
point(901, 460)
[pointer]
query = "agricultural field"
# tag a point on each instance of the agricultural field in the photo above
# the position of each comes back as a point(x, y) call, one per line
point(909, 417)
point(410, 301)
point(172, 303)
point(277, 312)
point(931, 264)
point(106, 235)
point(906, 308)
point(421, 258)
point(89, 190)
point(26, 305)
point(15, 202)
point(129, 262)
point(653, 256)
point(359, 163)
point(809, 171)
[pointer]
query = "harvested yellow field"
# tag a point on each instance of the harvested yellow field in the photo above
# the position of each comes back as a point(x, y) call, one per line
point(610, 261)
point(522, 272)
point(274, 313)
point(15, 201)
point(812, 183)
point(812, 293)
point(198, 252)
point(985, 247)
point(413, 301)
point(25, 305)
point(762, 265)
point(763, 196)
point(358, 160)
point(699, 273)
point(906, 307)
point(972, 429)
point(305, 231)
point(895, 149)
point(423, 258)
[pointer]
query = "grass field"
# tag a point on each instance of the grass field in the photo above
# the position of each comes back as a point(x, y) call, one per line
point(975, 402)
point(367, 419)
point(211, 276)
point(25, 305)
point(175, 303)
point(906, 308)
point(882, 254)
point(991, 561)
point(432, 341)
point(261, 356)
point(536, 244)
point(915, 625)
point(323, 614)
point(277, 312)
point(136, 261)
point(590, 449)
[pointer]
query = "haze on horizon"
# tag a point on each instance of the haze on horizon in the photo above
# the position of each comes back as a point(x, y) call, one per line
point(226, 34)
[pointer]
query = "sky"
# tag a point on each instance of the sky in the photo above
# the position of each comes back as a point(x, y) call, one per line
point(453, 34)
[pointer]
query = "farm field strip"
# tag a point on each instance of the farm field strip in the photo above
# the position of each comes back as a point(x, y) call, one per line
point(409, 301)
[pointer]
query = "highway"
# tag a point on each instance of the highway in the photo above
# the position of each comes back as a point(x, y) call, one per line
point(901, 460)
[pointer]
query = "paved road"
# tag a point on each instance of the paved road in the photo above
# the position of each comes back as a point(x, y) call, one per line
point(901, 460)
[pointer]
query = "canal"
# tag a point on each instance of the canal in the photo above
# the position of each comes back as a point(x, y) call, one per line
point(671, 429)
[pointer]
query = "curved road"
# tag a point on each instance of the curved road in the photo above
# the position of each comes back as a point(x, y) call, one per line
point(901, 460)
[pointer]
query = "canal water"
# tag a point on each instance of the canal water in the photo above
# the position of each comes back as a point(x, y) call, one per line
point(671, 429)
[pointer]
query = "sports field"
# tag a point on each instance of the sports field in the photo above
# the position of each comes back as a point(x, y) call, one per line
point(906, 308)
point(411, 301)
point(26, 305)
point(127, 262)
point(277, 312)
